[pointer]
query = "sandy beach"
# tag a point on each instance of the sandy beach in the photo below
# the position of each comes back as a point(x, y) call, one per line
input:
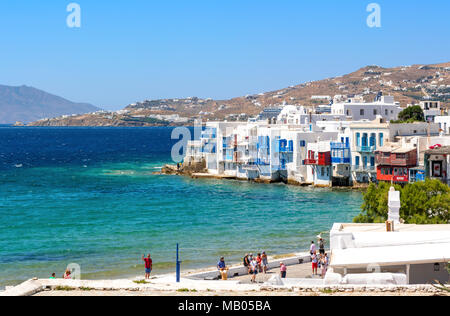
point(229, 294)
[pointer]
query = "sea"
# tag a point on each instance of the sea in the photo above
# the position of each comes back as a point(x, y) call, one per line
point(91, 197)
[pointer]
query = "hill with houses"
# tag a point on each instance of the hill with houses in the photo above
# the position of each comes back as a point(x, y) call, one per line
point(408, 84)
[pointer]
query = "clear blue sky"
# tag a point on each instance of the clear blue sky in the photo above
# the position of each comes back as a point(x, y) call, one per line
point(132, 50)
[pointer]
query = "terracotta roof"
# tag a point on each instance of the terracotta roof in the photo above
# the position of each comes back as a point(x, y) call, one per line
point(439, 151)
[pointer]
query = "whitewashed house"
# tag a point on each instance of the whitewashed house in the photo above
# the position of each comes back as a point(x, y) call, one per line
point(431, 109)
point(368, 254)
point(369, 136)
point(356, 109)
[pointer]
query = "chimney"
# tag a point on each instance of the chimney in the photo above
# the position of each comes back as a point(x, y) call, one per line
point(394, 208)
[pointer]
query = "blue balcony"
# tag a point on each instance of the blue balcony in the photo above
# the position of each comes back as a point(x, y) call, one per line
point(366, 149)
point(285, 146)
point(340, 146)
point(340, 153)
point(339, 160)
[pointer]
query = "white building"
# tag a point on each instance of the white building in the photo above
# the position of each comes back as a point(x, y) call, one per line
point(318, 162)
point(320, 153)
point(356, 109)
point(369, 136)
point(444, 123)
point(369, 254)
point(294, 115)
point(431, 109)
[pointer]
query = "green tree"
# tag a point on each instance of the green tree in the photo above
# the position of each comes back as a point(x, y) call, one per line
point(412, 114)
point(421, 203)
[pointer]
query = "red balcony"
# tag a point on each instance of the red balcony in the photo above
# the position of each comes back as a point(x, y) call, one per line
point(307, 162)
point(324, 159)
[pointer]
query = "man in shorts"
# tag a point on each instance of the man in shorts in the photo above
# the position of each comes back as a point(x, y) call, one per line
point(148, 266)
point(322, 247)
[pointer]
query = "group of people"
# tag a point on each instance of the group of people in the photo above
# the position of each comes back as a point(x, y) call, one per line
point(319, 261)
point(66, 276)
point(255, 265)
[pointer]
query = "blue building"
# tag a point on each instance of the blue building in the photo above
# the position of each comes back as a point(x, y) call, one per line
point(341, 162)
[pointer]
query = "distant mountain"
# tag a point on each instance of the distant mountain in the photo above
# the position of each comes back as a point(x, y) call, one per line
point(27, 104)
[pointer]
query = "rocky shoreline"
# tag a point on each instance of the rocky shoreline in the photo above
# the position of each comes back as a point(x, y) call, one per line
point(198, 170)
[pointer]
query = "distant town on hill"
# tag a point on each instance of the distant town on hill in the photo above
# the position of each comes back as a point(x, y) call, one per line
point(27, 104)
point(407, 84)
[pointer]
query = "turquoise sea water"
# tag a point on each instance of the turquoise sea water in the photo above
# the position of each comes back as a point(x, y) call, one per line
point(89, 196)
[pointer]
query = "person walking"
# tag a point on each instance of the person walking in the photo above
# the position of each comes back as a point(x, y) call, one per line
point(254, 266)
point(246, 263)
point(250, 260)
point(322, 247)
point(259, 261)
point(265, 262)
point(324, 265)
point(313, 248)
point(315, 263)
point(148, 266)
point(283, 270)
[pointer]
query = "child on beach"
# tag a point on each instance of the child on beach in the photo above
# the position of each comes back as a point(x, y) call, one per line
point(148, 266)
point(67, 275)
point(283, 270)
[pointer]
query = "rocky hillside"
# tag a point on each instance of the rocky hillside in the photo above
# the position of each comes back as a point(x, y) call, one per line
point(27, 104)
point(409, 85)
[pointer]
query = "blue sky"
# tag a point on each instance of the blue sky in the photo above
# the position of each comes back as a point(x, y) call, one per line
point(127, 51)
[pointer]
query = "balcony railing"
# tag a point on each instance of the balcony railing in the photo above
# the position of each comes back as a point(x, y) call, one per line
point(366, 149)
point(401, 162)
point(363, 168)
point(286, 150)
point(339, 146)
point(337, 160)
point(310, 162)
